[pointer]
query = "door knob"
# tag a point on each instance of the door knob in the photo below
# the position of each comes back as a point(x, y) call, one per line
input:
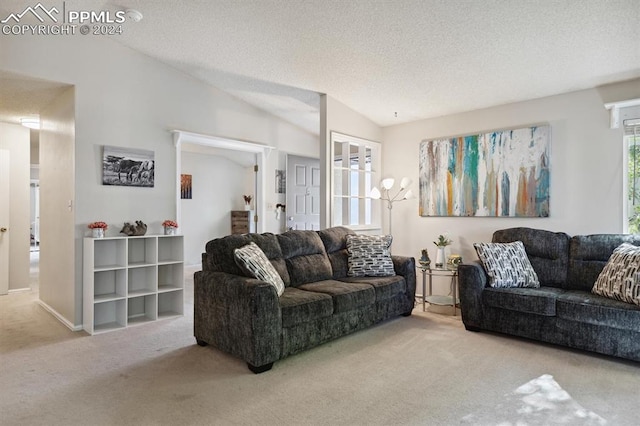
point(3, 229)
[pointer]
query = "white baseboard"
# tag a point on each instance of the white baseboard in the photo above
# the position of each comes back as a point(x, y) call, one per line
point(60, 317)
point(19, 290)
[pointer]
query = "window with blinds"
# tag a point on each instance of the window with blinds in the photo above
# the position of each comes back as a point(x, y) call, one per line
point(632, 142)
point(354, 169)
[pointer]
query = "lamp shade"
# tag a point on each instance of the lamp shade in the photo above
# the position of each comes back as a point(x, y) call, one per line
point(375, 193)
point(409, 195)
point(387, 183)
point(405, 182)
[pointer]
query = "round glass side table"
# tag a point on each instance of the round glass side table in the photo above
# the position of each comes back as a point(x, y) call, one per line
point(439, 299)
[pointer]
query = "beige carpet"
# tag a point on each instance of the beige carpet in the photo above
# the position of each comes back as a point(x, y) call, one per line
point(421, 370)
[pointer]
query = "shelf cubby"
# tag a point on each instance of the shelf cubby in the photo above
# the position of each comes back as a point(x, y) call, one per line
point(170, 304)
point(142, 309)
point(109, 285)
point(142, 251)
point(170, 277)
point(109, 253)
point(109, 316)
point(170, 249)
point(142, 280)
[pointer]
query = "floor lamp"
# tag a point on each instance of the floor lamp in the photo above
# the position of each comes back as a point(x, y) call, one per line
point(387, 194)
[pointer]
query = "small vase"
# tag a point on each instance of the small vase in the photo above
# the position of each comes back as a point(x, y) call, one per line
point(440, 257)
point(169, 230)
point(97, 232)
point(247, 206)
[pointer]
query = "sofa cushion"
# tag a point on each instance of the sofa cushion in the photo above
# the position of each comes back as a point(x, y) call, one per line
point(271, 248)
point(582, 306)
point(220, 256)
point(300, 306)
point(540, 301)
point(335, 244)
point(369, 256)
point(547, 251)
point(219, 253)
point(619, 278)
point(305, 257)
point(588, 254)
point(252, 260)
point(385, 287)
point(346, 296)
point(507, 264)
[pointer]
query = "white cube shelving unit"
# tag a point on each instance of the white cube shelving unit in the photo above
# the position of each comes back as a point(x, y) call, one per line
point(132, 280)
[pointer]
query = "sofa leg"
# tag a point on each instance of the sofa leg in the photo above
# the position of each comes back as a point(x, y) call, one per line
point(201, 342)
point(408, 313)
point(260, 369)
point(472, 328)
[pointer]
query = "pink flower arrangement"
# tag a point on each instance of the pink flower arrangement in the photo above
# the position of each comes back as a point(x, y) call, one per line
point(170, 223)
point(96, 225)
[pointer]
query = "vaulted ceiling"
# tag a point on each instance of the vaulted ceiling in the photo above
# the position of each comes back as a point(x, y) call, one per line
point(416, 58)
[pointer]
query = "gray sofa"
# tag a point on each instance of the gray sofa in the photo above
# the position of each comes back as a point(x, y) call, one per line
point(563, 310)
point(245, 317)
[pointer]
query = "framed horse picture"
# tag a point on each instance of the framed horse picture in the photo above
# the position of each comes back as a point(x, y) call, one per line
point(127, 167)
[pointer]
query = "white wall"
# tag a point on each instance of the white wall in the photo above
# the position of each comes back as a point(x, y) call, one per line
point(58, 287)
point(15, 139)
point(337, 117)
point(218, 184)
point(123, 98)
point(586, 168)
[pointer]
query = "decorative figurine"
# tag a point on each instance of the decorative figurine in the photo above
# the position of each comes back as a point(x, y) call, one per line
point(139, 229)
point(453, 261)
point(425, 262)
point(127, 229)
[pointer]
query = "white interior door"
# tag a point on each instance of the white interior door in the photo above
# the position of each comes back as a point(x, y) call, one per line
point(303, 193)
point(4, 221)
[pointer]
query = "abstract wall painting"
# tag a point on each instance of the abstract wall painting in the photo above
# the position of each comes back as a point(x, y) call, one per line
point(501, 174)
point(185, 186)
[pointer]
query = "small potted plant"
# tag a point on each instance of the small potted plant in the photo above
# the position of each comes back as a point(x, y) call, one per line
point(247, 201)
point(442, 242)
point(98, 229)
point(170, 227)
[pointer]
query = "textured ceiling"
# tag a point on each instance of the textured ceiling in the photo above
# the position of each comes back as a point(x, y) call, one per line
point(24, 97)
point(419, 58)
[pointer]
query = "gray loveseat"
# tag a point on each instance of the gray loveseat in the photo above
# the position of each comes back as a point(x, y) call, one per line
point(245, 317)
point(563, 310)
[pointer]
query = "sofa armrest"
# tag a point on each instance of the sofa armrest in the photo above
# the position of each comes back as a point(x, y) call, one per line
point(239, 315)
point(406, 267)
point(472, 279)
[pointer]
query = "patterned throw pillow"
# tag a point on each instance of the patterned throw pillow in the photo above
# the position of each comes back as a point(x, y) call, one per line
point(369, 256)
point(619, 277)
point(507, 264)
point(252, 260)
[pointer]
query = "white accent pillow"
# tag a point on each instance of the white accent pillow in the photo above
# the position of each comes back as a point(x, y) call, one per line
point(619, 277)
point(507, 264)
point(252, 260)
point(369, 256)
